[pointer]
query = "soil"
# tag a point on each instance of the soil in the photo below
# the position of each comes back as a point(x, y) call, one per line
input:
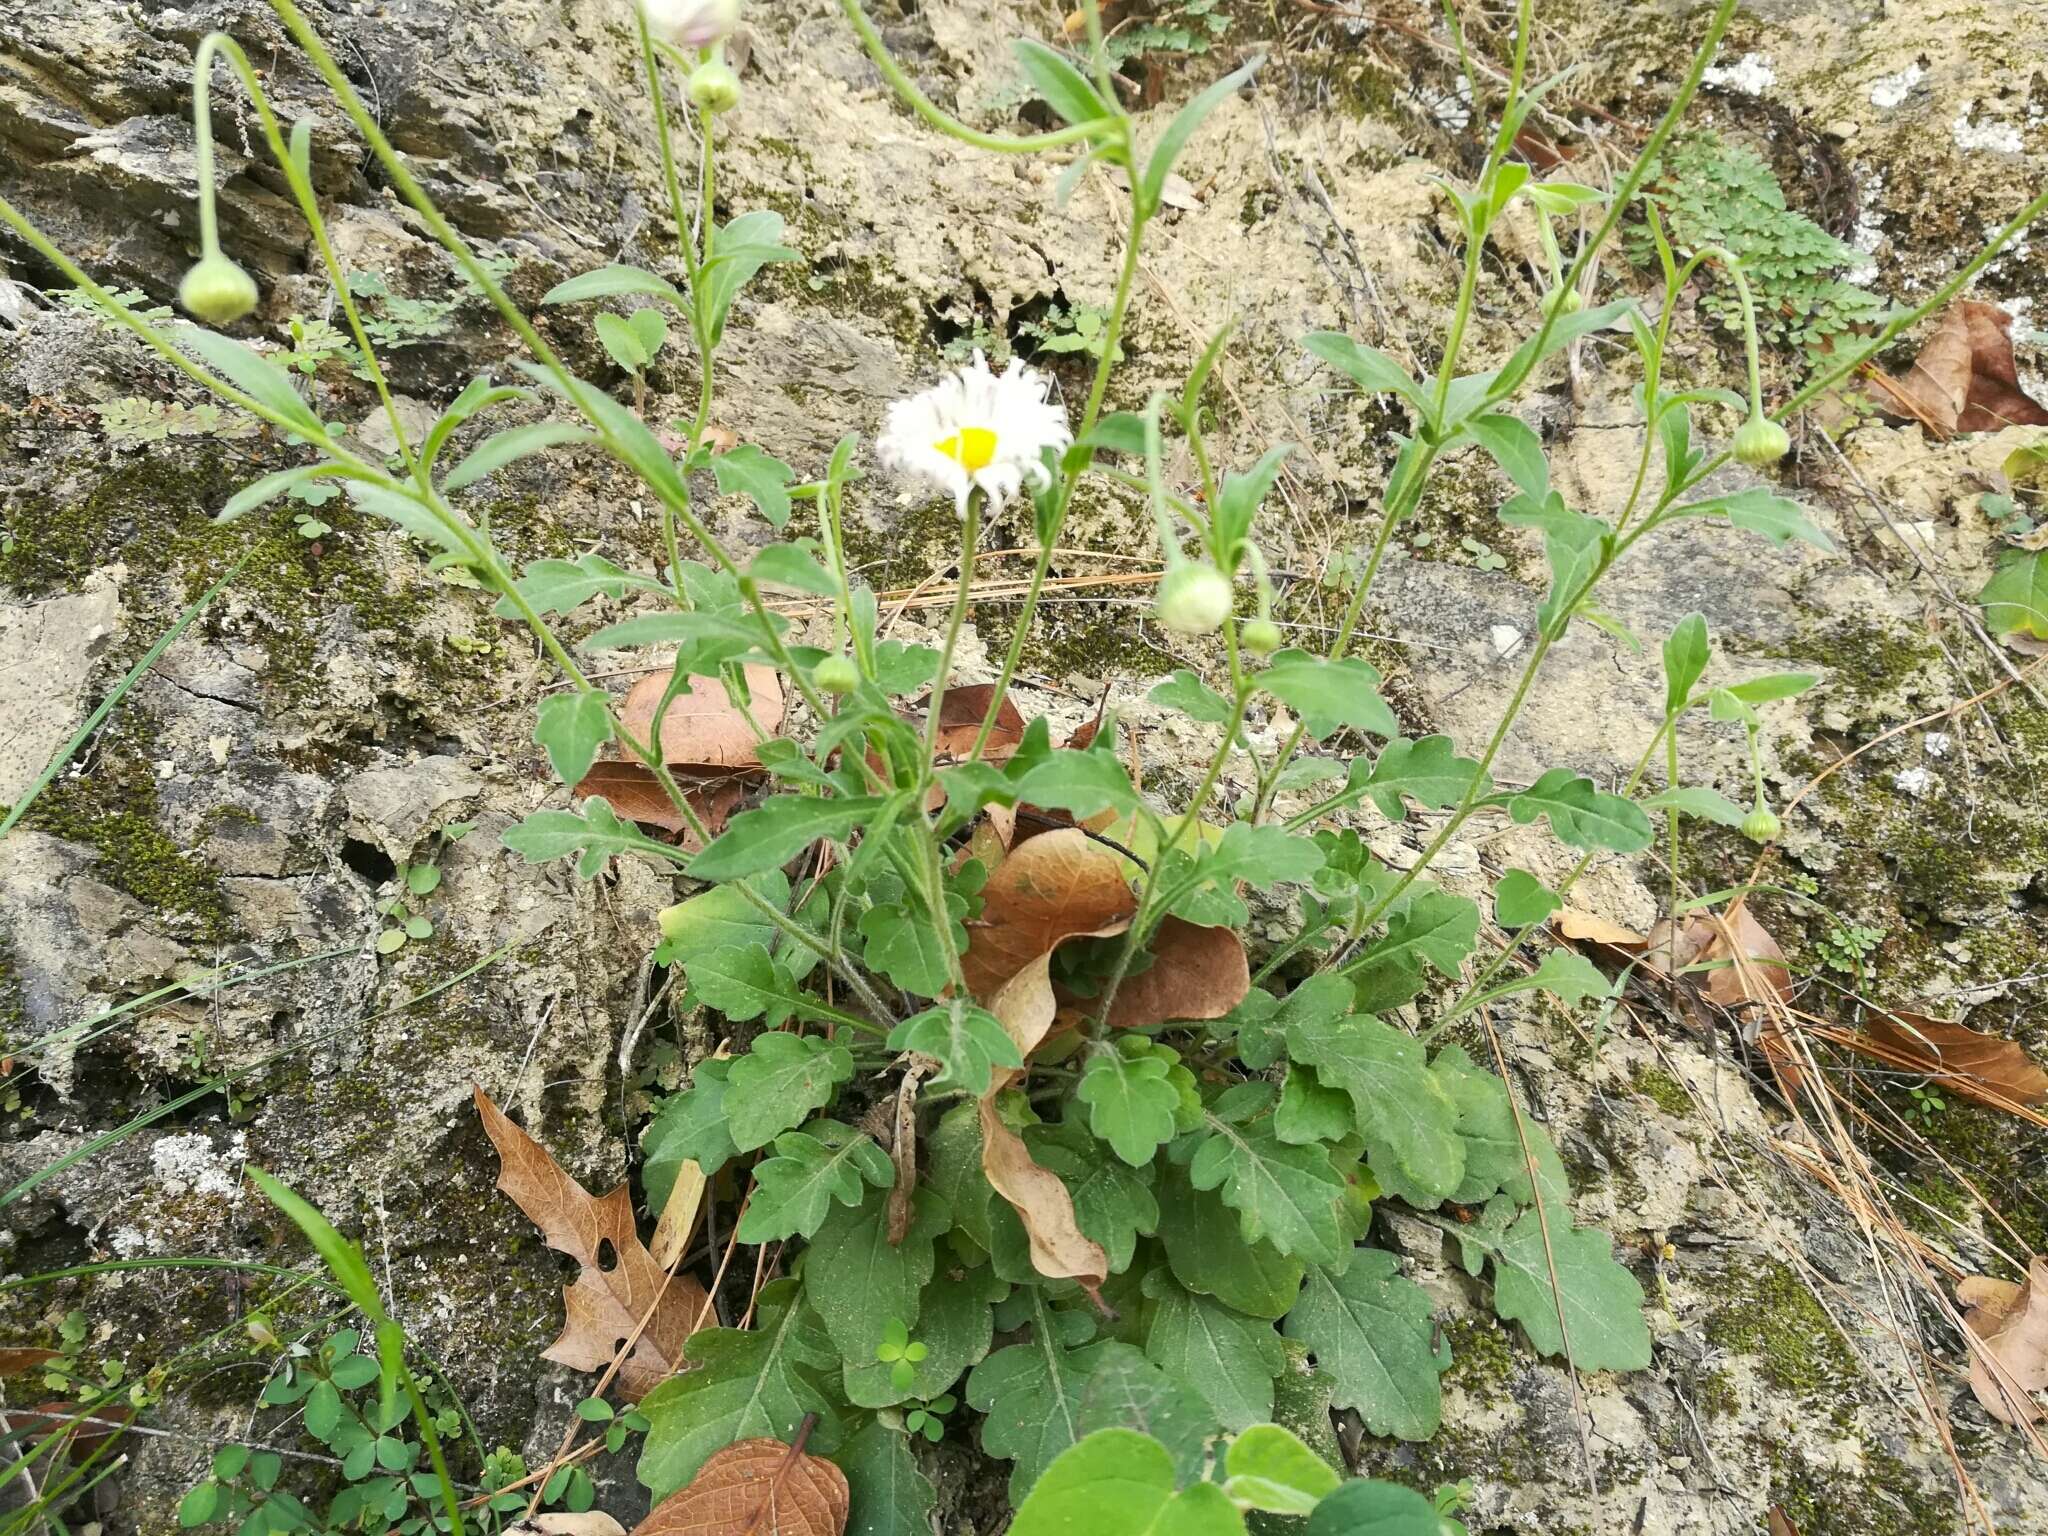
point(340, 711)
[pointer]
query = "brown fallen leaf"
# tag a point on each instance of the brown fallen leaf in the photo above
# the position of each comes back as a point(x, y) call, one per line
point(604, 1305)
point(703, 732)
point(755, 1488)
point(1986, 1068)
point(1781, 1523)
point(961, 712)
point(78, 1433)
point(2012, 1322)
point(1050, 887)
point(1965, 379)
point(1196, 973)
point(1588, 929)
point(1756, 971)
point(637, 795)
point(1059, 1248)
point(16, 1360)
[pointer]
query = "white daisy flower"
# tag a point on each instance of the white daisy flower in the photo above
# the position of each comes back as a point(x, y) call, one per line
point(976, 428)
point(691, 23)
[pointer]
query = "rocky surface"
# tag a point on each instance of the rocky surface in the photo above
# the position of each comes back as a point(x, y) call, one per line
point(339, 711)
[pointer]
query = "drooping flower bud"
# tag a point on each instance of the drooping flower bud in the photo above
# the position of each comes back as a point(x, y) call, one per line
point(1261, 636)
point(217, 291)
point(691, 23)
point(714, 87)
point(1193, 599)
point(1568, 300)
point(1760, 441)
point(836, 675)
point(1761, 825)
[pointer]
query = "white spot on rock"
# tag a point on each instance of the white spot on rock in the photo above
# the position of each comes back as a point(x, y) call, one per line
point(1999, 137)
point(1891, 90)
point(1506, 639)
point(1938, 743)
point(192, 1164)
point(1913, 781)
point(1751, 75)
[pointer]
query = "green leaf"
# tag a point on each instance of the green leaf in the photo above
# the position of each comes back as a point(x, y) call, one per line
point(1118, 1482)
point(778, 1083)
point(1371, 1329)
point(1228, 1358)
point(622, 341)
point(1573, 546)
point(1268, 1468)
point(1032, 1394)
point(1130, 1103)
point(1561, 333)
point(1329, 694)
point(745, 1384)
point(859, 1282)
point(1602, 1303)
point(1127, 1391)
point(1685, 661)
point(254, 375)
point(721, 916)
point(1283, 1194)
point(747, 471)
point(1699, 803)
point(1567, 976)
point(1515, 448)
point(572, 726)
point(1311, 1111)
point(794, 1189)
point(1365, 1508)
point(1399, 1106)
point(691, 1126)
point(1374, 372)
point(746, 245)
point(1209, 1256)
point(2015, 600)
point(787, 565)
point(1238, 502)
point(1062, 86)
point(1428, 771)
point(1495, 1158)
point(889, 1495)
point(1183, 127)
point(1759, 511)
point(1581, 815)
point(404, 511)
point(955, 1325)
point(743, 982)
point(1771, 687)
point(258, 493)
point(952, 1154)
point(628, 438)
point(607, 282)
point(507, 447)
point(904, 944)
point(1083, 783)
point(595, 836)
point(557, 586)
point(1113, 1204)
point(1262, 856)
point(1186, 692)
point(969, 1042)
point(1433, 925)
point(779, 830)
point(1521, 899)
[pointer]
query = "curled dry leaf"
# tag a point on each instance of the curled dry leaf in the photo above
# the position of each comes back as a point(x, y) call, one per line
point(1748, 966)
point(1050, 888)
point(1196, 973)
point(637, 796)
point(1983, 1067)
point(1781, 1523)
point(960, 715)
point(1059, 1248)
point(1965, 379)
point(2012, 1322)
point(755, 1488)
point(1585, 928)
point(703, 732)
point(603, 1306)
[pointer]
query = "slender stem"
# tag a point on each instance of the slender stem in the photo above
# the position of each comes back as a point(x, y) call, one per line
point(970, 539)
point(922, 105)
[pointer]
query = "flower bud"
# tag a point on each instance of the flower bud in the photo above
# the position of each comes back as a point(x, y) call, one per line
point(1261, 636)
point(1193, 599)
point(691, 23)
point(217, 291)
point(836, 675)
point(1567, 300)
point(1761, 825)
point(714, 87)
point(1760, 441)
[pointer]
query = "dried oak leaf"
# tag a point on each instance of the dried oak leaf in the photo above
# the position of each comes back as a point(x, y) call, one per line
point(755, 1488)
point(1965, 379)
point(2012, 1322)
point(1050, 888)
point(1196, 973)
point(1986, 1068)
point(604, 1305)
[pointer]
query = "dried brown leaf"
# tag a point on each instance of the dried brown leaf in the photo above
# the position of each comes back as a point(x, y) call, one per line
point(755, 1488)
point(637, 795)
point(15, 1360)
point(1050, 887)
point(605, 1304)
point(1196, 973)
point(1987, 1068)
point(2012, 1322)
point(1059, 1248)
point(703, 732)
point(1589, 929)
point(1756, 971)
point(1965, 378)
point(1781, 1523)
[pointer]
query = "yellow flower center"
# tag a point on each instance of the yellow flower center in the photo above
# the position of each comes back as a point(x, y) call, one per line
point(972, 448)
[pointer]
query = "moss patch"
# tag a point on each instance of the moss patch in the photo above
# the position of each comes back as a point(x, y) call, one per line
point(1767, 1312)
